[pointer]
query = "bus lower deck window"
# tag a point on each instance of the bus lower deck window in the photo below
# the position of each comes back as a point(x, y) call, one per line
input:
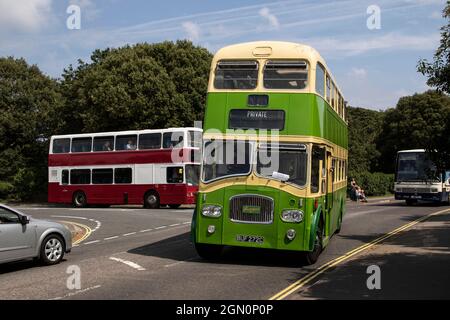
point(80, 176)
point(122, 175)
point(174, 175)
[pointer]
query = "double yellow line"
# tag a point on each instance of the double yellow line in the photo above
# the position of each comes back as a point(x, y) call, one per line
point(314, 274)
point(86, 234)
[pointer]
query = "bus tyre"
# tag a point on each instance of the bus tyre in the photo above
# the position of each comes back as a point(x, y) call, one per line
point(208, 251)
point(311, 257)
point(52, 250)
point(151, 200)
point(79, 199)
point(339, 224)
point(174, 206)
point(410, 202)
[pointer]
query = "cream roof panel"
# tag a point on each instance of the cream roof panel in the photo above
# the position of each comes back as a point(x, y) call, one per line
point(279, 50)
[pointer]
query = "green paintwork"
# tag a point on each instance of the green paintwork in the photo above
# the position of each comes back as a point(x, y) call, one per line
point(306, 115)
point(274, 234)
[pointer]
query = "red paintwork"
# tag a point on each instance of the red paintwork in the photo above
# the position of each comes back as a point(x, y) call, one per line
point(114, 193)
point(117, 157)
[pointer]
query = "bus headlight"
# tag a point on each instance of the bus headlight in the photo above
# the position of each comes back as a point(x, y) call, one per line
point(212, 211)
point(292, 216)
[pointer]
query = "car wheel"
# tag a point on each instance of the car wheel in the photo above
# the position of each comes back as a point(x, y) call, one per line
point(151, 200)
point(79, 200)
point(311, 257)
point(52, 249)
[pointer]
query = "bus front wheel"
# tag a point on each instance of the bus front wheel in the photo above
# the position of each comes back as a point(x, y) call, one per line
point(79, 199)
point(151, 200)
point(208, 251)
point(311, 257)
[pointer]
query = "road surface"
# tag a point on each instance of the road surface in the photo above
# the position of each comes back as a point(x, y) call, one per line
point(134, 253)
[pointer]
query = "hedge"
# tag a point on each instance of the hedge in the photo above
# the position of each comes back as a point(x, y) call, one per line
point(373, 184)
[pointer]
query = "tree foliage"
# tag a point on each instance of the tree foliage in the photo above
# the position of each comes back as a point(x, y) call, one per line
point(364, 127)
point(438, 71)
point(29, 104)
point(137, 87)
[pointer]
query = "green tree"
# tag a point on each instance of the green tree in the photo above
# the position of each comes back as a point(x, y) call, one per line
point(364, 126)
point(29, 104)
point(137, 87)
point(438, 72)
point(416, 122)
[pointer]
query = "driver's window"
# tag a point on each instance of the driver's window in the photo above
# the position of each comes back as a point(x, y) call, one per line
point(7, 216)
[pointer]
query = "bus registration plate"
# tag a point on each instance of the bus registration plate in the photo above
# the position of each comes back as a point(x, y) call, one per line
point(246, 238)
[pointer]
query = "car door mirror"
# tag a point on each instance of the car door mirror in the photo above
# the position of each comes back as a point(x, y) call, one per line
point(24, 220)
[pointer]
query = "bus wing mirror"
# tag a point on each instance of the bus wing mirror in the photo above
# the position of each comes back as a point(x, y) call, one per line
point(280, 176)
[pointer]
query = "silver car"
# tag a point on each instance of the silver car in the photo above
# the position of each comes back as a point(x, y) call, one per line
point(22, 237)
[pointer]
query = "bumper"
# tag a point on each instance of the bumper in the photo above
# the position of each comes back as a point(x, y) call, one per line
point(419, 196)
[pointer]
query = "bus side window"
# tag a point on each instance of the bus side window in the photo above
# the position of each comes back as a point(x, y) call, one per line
point(80, 176)
point(320, 80)
point(81, 144)
point(174, 175)
point(65, 177)
point(122, 175)
point(315, 168)
point(61, 145)
point(173, 140)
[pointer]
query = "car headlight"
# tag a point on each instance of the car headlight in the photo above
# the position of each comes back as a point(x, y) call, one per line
point(212, 211)
point(292, 215)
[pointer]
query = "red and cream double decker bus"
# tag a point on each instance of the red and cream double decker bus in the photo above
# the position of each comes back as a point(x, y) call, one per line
point(149, 167)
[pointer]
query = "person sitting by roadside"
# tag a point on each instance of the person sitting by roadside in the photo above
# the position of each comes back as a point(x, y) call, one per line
point(356, 192)
point(360, 195)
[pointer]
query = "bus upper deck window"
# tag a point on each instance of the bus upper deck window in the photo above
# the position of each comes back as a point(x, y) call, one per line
point(81, 144)
point(61, 145)
point(285, 75)
point(236, 75)
point(173, 139)
point(195, 139)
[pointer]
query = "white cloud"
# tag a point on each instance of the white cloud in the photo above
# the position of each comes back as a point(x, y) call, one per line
point(192, 30)
point(359, 73)
point(436, 15)
point(24, 15)
point(271, 18)
point(387, 42)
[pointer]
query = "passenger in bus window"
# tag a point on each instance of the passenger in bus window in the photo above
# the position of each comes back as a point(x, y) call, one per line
point(107, 146)
point(131, 145)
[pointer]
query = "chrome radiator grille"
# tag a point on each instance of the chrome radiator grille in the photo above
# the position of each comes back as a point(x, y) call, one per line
point(241, 205)
point(415, 190)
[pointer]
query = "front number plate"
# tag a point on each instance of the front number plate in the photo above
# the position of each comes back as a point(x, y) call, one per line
point(245, 238)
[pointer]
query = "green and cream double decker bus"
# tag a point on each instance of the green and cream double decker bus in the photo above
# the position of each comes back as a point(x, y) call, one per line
point(275, 152)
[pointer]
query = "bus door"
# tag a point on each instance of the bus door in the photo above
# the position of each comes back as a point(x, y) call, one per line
point(327, 187)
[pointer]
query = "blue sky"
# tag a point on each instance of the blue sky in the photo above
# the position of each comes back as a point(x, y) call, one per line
point(373, 67)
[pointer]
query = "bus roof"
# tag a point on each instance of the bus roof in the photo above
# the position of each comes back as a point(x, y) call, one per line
point(271, 50)
point(114, 133)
